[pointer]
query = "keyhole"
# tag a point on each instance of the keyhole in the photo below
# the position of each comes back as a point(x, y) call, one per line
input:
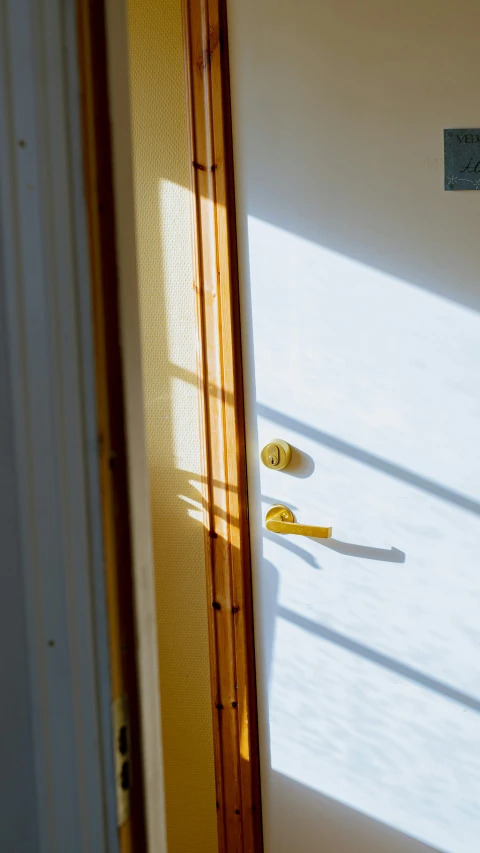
point(273, 455)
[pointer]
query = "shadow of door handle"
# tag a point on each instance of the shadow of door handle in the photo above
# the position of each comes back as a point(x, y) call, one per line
point(280, 519)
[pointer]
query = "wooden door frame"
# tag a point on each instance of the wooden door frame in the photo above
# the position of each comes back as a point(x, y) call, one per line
point(228, 565)
point(227, 546)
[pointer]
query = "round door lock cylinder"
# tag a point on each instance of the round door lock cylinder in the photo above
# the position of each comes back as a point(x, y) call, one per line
point(276, 454)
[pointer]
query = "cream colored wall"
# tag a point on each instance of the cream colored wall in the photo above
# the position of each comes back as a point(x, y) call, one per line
point(162, 212)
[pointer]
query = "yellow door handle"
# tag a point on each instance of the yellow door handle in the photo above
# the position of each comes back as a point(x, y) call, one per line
point(280, 519)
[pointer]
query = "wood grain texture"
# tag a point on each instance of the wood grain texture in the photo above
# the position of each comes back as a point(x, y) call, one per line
point(223, 438)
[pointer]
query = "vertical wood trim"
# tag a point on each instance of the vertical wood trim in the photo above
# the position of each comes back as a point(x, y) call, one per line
point(223, 429)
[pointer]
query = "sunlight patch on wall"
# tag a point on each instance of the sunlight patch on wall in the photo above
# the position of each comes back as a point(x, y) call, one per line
point(168, 329)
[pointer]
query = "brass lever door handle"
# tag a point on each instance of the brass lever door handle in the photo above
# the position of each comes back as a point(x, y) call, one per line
point(280, 519)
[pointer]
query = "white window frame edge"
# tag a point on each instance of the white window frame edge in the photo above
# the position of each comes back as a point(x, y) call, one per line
point(45, 267)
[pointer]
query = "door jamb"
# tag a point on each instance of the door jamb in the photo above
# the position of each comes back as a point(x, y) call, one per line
point(228, 567)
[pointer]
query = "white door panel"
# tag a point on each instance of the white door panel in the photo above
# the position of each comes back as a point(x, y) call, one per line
point(361, 323)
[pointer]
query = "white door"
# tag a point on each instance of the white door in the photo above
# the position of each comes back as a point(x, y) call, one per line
point(360, 311)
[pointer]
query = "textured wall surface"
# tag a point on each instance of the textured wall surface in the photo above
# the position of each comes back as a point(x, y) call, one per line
point(170, 392)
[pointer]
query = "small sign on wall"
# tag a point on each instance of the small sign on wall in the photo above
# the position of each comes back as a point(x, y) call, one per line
point(462, 159)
